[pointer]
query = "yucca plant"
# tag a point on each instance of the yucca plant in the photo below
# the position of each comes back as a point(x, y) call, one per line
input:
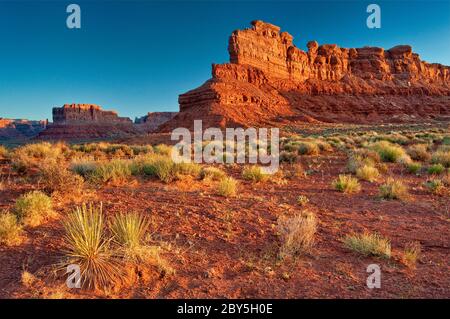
point(88, 246)
point(128, 233)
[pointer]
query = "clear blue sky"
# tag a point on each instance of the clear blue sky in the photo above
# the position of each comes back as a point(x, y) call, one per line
point(138, 56)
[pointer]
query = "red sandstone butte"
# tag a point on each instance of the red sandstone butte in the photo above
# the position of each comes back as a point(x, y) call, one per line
point(86, 121)
point(269, 81)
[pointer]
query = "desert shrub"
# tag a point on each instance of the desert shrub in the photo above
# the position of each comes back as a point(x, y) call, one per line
point(404, 160)
point(419, 152)
point(393, 189)
point(35, 155)
point(288, 157)
point(346, 184)
point(388, 152)
point(163, 149)
point(302, 200)
point(163, 168)
point(128, 233)
point(212, 173)
point(114, 171)
point(3, 152)
point(296, 233)
point(368, 244)
point(191, 169)
point(254, 173)
point(436, 169)
point(368, 173)
point(435, 186)
point(441, 156)
point(87, 245)
point(308, 148)
point(33, 207)
point(83, 166)
point(59, 179)
point(142, 149)
point(411, 254)
point(414, 167)
point(227, 187)
point(10, 229)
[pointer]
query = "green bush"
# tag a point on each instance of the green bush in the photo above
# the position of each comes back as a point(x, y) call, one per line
point(436, 169)
point(114, 171)
point(414, 168)
point(388, 152)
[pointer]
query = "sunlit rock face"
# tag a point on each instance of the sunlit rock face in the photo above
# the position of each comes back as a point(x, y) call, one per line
point(269, 81)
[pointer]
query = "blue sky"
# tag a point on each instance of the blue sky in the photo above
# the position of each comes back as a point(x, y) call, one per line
point(138, 56)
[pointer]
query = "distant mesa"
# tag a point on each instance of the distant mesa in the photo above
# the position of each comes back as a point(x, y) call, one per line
point(86, 114)
point(20, 129)
point(271, 82)
point(154, 119)
point(90, 121)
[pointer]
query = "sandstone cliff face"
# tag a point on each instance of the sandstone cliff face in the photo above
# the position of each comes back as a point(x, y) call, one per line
point(270, 81)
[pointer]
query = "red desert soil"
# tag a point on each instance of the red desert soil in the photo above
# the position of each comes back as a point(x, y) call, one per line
point(227, 248)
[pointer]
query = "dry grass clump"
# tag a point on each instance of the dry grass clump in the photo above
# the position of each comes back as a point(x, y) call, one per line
point(254, 173)
point(302, 200)
point(435, 169)
point(128, 233)
point(388, 152)
point(393, 189)
point(441, 156)
point(414, 167)
point(35, 155)
point(3, 152)
point(189, 169)
point(83, 166)
point(435, 186)
point(346, 184)
point(33, 208)
point(163, 149)
point(10, 229)
point(368, 173)
point(296, 233)
point(115, 171)
point(368, 244)
point(288, 157)
point(308, 148)
point(55, 178)
point(419, 152)
point(411, 254)
point(88, 246)
point(164, 168)
point(212, 173)
point(227, 187)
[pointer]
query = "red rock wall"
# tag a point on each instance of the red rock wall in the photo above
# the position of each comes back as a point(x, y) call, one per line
point(270, 80)
point(264, 47)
